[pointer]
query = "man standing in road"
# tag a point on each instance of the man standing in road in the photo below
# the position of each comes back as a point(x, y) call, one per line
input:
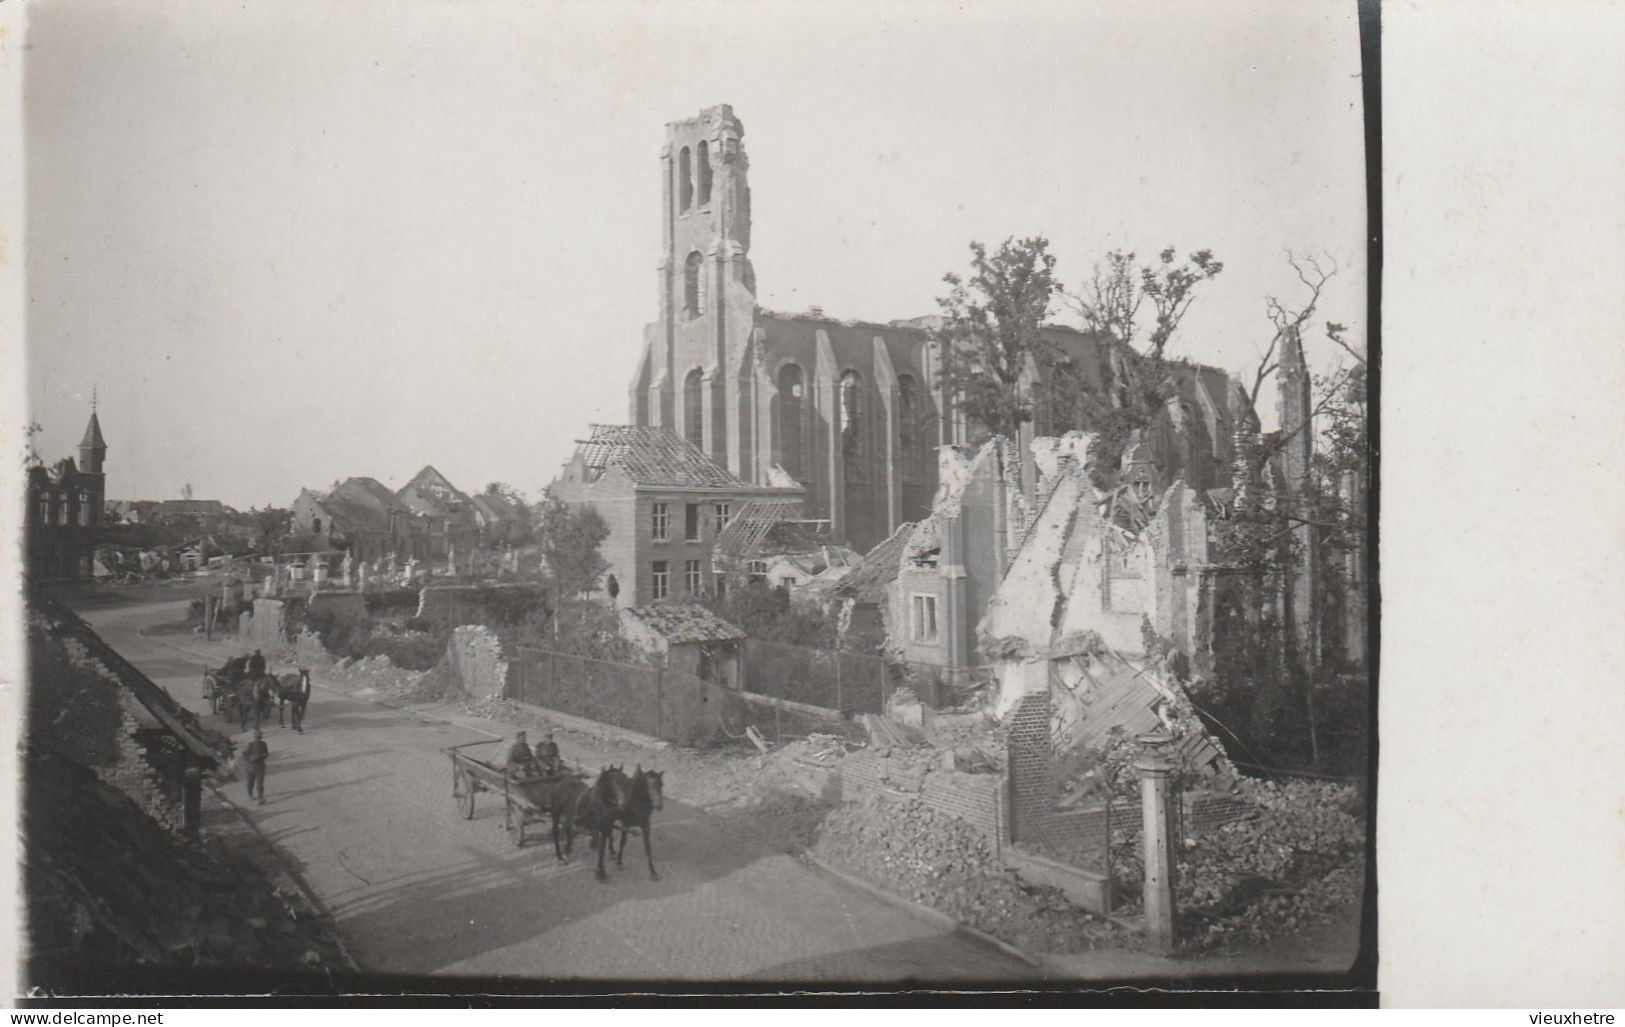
point(254, 757)
point(256, 665)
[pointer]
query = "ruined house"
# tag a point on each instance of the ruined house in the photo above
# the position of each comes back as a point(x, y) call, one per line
point(450, 514)
point(63, 518)
point(363, 517)
point(852, 411)
point(666, 504)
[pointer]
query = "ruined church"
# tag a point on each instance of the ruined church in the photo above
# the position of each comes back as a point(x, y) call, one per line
point(853, 412)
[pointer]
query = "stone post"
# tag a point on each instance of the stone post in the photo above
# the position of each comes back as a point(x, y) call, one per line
point(191, 798)
point(1155, 772)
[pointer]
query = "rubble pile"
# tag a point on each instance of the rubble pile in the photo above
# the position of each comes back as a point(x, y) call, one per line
point(106, 885)
point(909, 849)
point(1299, 863)
point(377, 672)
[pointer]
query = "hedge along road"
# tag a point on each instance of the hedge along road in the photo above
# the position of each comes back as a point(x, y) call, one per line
point(361, 802)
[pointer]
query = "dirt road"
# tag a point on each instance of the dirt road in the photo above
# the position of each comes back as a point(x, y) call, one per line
point(362, 803)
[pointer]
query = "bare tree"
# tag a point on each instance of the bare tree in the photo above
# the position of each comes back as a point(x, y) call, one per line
point(1288, 321)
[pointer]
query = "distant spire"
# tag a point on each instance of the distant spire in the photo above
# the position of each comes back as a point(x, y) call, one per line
point(93, 434)
point(93, 388)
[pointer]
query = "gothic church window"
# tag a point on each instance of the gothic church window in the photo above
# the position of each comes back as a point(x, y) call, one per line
point(694, 408)
point(702, 161)
point(913, 434)
point(685, 181)
point(790, 399)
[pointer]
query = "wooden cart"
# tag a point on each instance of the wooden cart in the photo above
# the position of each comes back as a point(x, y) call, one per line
point(470, 776)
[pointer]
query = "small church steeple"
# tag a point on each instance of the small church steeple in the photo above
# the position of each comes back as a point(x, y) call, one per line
point(92, 448)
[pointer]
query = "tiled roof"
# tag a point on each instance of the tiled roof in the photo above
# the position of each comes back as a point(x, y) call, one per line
point(350, 515)
point(868, 580)
point(685, 623)
point(653, 456)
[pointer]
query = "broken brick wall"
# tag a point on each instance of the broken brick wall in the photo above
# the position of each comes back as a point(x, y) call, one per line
point(79, 709)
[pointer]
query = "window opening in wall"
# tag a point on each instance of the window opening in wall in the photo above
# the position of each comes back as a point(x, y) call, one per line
point(685, 181)
point(45, 509)
point(758, 572)
point(788, 581)
point(693, 287)
point(790, 400)
point(722, 586)
point(691, 577)
point(691, 522)
point(724, 513)
point(660, 580)
point(316, 525)
point(702, 167)
point(694, 408)
point(925, 618)
point(850, 414)
point(661, 522)
point(62, 511)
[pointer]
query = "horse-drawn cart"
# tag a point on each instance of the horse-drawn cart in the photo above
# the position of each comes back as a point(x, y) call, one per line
point(220, 688)
point(525, 799)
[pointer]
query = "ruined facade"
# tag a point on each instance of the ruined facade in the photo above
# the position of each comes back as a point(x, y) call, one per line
point(853, 411)
point(64, 511)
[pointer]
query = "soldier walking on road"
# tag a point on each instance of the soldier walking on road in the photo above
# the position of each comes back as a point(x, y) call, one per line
point(256, 665)
point(254, 757)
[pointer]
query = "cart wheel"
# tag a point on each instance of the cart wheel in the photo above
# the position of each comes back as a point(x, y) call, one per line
point(462, 794)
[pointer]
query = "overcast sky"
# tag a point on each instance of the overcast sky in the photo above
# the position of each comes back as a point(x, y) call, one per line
point(300, 241)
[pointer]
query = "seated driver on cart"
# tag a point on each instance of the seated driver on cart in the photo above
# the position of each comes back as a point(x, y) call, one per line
point(521, 760)
point(547, 754)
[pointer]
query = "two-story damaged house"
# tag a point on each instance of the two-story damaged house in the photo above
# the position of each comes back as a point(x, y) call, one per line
point(453, 521)
point(665, 502)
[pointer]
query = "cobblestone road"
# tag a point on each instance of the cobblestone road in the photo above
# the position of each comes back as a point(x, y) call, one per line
point(362, 802)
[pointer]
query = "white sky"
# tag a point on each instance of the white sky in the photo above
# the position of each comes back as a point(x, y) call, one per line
point(295, 242)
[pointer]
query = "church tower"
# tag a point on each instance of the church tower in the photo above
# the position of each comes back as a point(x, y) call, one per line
point(697, 374)
point(92, 448)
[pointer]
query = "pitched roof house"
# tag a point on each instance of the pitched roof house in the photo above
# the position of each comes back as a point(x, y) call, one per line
point(666, 504)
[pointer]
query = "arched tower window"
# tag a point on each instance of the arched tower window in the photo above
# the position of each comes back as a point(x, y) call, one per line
point(316, 525)
point(851, 414)
point(702, 169)
point(694, 408)
point(790, 400)
point(694, 285)
point(685, 181)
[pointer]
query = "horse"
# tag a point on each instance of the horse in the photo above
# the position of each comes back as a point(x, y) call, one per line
point(254, 697)
point(292, 690)
point(557, 795)
point(648, 795)
point(599, 807)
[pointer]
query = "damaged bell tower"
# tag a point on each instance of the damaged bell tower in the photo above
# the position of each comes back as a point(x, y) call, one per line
point(695, 377)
